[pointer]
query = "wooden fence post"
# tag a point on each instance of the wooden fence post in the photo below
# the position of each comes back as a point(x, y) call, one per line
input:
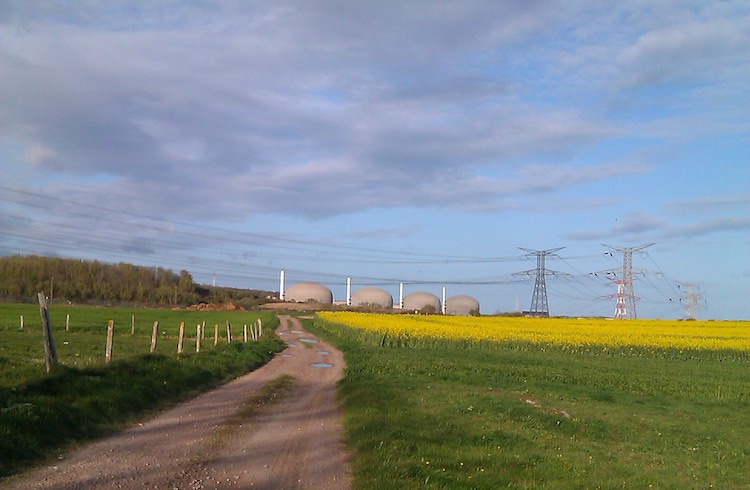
point(67, 322)
point(244, 333)
point(203, 330)
point(216, 335)
point(229, 332)
point(154, 335)
point(132, 324)
point(21, 322)
point(50, 353)
point(198, 334)
point(181, 338)
point(110, 341)
point(260, 328)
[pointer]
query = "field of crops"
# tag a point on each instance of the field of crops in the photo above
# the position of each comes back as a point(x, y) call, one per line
point(661, 334)
point(490, 402)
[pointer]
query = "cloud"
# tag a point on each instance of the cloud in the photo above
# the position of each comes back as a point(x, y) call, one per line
point(319, 111)
point(739, 202)
point(687, 51)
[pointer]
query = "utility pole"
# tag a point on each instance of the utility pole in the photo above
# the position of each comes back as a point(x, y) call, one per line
point(626, 283)
point(539, 305)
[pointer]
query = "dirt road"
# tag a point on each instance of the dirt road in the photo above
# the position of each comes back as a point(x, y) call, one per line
point(238, 436)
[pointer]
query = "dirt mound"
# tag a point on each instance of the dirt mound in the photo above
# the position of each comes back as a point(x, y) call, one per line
point(215, 307)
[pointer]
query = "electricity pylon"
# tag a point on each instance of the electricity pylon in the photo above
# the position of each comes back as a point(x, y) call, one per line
point(539, 305)
point(691, 299)
point(626, 283)
point(621, 308)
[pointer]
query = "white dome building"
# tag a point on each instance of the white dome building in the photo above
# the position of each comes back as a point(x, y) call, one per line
point(309, 292)
point(422, 301)
point(372, 297)
point(461, 305)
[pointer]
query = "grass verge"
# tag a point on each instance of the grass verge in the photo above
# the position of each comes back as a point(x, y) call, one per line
point(40, 417)
point(453, 415)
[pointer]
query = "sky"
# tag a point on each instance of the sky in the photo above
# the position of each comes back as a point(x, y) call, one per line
point(421, 142)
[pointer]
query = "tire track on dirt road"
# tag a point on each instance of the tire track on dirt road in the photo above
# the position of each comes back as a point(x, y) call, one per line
point(292, 440)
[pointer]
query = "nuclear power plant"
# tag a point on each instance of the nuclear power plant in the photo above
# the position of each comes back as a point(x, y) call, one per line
point(378, 298)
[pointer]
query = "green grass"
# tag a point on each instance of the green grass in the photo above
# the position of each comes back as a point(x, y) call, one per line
point(83, 345)
point(83, 398)
point(454, 415)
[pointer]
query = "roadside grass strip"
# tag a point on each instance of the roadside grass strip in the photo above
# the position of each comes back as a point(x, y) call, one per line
point(42, 415)
point(432, 402)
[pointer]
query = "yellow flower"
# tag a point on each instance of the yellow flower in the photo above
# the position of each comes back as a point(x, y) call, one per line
point(569, 332)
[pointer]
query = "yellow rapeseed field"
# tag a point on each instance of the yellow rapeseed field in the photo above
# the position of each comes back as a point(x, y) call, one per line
point(733, 335)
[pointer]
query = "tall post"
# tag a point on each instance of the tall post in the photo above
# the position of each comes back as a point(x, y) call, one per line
point(442, 304)
point(110, 341)
point(154, 335)
point(348, 291)
point(181, 338)
point(281, 287)
point(50, 353)
point(401, 295)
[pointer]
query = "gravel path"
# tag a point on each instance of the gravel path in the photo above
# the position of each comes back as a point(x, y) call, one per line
point(232, 437)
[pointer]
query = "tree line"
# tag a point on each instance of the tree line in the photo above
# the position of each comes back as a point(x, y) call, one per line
point(91, 281)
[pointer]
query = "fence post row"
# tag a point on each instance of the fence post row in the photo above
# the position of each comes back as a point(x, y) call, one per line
point(50, 352)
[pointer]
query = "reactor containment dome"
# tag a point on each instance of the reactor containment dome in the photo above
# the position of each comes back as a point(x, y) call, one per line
point(422, 301)
point(309, 292)
point(372, 297)
point(461, 305)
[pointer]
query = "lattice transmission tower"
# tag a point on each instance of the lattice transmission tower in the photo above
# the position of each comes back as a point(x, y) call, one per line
point(625, 289)
point(539, 304)
point(691, 300)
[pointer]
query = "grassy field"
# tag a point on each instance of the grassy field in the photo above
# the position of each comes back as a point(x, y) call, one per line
point(83, 345)
point(453, 411)
point(84, 398)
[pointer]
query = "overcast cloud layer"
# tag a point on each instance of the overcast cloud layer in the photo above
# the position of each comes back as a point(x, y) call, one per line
point(218, 111)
